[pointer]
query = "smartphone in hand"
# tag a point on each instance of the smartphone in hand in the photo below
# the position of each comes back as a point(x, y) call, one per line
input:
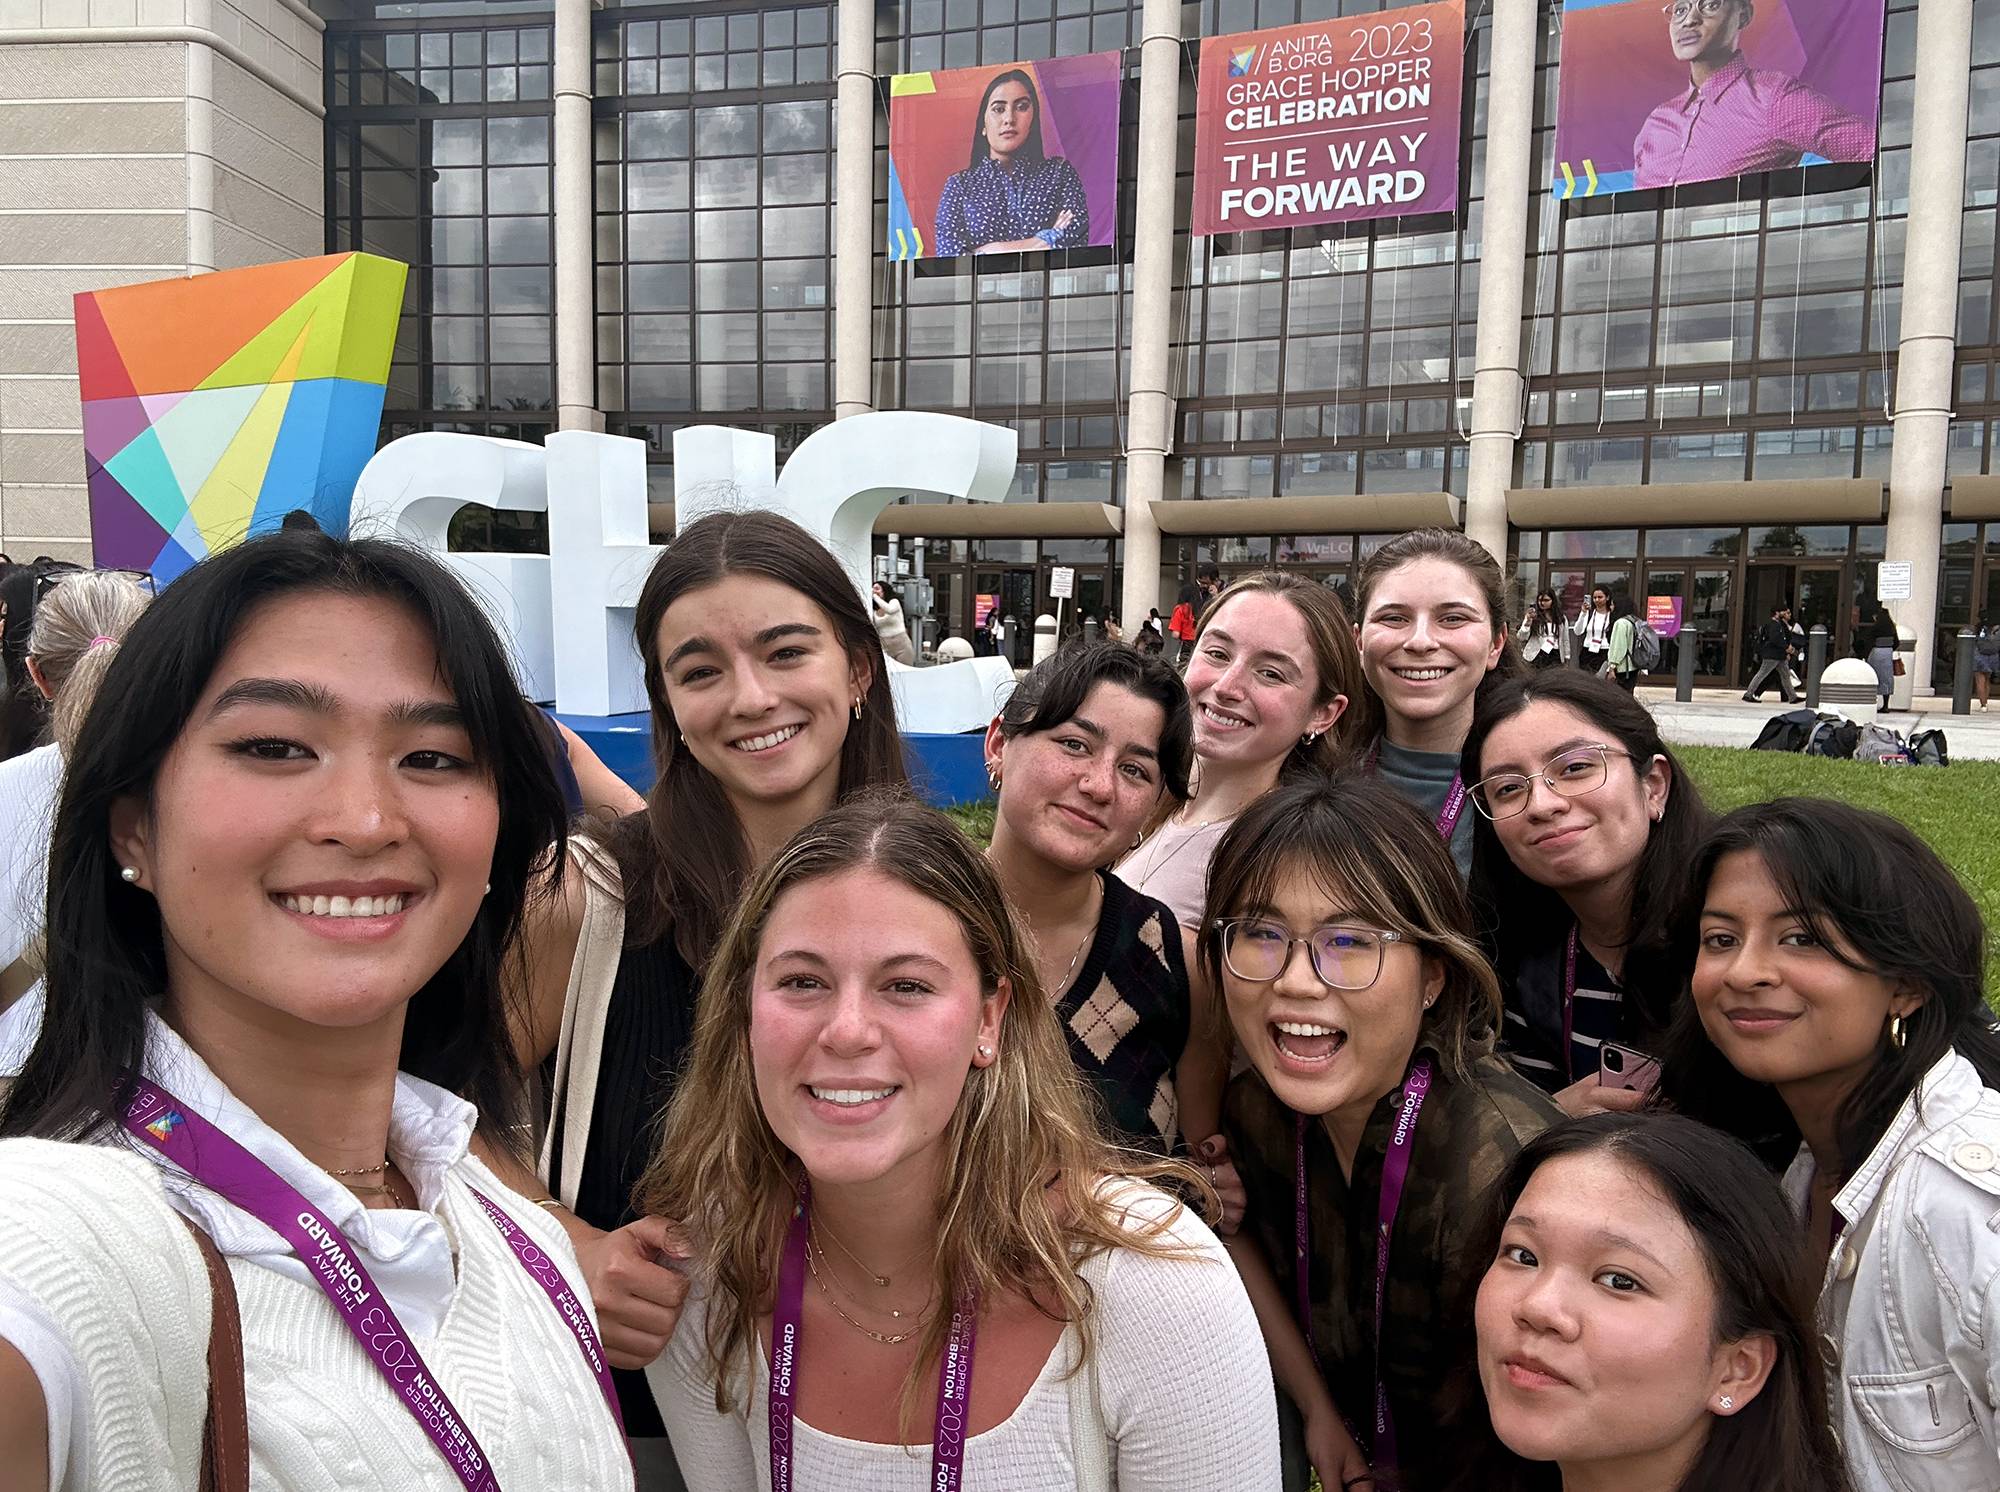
point(1626, 1067)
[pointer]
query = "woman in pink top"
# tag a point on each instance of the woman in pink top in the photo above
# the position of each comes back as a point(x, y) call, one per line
point(1275, 679)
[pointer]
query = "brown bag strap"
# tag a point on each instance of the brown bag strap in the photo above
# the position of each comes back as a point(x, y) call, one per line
point(225, 1436)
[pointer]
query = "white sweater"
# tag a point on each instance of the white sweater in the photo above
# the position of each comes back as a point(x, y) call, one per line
point(104, 1292)
point(1185, 1400)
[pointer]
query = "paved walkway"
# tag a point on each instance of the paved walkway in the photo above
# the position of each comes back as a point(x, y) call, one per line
point(1720, 717)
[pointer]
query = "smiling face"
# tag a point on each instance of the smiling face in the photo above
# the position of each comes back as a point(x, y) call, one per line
point(1008, 117)
point(761, 689)
point(866, 1015)
point(1253, 683)
point(1078, 793)
point(1777, 1003)
point(318, 837)
point(1596, 1327)
point(1706, 38)
point(1562, 842)
point(1427, 640)
point(1324, 1050)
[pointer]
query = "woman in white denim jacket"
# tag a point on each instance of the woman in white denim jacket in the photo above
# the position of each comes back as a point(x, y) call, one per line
point(1836, 968)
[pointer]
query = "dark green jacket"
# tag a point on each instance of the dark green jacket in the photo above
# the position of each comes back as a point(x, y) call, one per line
point(1466, 1134)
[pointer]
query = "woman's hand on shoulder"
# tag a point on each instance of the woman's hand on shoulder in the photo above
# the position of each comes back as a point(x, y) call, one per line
point(637, 1295)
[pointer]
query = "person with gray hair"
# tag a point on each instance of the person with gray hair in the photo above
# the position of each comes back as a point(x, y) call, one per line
point(80, 616)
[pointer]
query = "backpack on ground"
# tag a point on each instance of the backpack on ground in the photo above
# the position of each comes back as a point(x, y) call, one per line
point(1927, 748)
point(1786, 732)
point(1835, 736)
point(1645, 646)
point(1879, 743)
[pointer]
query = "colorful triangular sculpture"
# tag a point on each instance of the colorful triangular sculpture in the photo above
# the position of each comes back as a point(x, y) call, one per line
point(216, 404)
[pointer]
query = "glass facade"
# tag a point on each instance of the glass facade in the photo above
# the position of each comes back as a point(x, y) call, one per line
point(1736, 332)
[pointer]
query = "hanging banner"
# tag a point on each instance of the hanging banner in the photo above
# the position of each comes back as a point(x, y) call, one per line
point(1330, 121)
point(1019, 158)
point(1661, 95)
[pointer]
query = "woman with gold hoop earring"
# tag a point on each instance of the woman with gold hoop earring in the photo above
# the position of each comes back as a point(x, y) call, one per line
point(1838, 1020)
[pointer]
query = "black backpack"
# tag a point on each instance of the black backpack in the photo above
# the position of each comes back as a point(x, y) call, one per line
point(1927, 749)
point(1787, 732)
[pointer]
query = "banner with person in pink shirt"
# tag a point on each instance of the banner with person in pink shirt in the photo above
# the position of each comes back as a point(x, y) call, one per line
point(1662, 93)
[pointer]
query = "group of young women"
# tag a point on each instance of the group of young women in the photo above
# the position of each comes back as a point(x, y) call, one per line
point(406, 1131)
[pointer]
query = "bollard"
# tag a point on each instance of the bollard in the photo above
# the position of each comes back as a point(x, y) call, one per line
point(1684, 665)
point(1815, 663)
point(1961, 683)
point(1045, 637)
point(1091, 632)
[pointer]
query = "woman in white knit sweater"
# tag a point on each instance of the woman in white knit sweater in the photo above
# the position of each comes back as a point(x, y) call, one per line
point(294, 841)
point(918, 1261)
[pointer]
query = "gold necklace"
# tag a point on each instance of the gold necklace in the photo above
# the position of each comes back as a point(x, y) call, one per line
point(887, 1339)
point(1061, 986)
point(813, 1225)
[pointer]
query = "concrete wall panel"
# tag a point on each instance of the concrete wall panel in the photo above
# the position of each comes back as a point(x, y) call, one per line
point(96, 70)
point(91, 128)
point(48, 294)
point(61, 183)
point(76, 238)
point(40, 404)
point(41, 457)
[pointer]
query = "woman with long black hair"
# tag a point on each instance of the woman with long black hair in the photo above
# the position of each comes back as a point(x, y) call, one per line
point(295, 838)
point(1586, 825)
point(1838, 1018)
point(1011, 195)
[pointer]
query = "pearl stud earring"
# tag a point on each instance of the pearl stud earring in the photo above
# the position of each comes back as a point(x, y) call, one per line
point(129, 875)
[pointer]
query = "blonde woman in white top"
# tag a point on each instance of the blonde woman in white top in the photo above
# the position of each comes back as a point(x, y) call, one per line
point(916, 1267)
point(294, 844)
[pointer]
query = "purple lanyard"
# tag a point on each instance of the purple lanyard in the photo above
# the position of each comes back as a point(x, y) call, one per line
point(787, 1329)
point(1454, 798)
point(1395, 1175)
point(226, 1168)
point(1569, 1006)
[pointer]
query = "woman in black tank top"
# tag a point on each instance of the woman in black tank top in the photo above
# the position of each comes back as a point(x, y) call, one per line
point(1081, 754)
point(770, 701)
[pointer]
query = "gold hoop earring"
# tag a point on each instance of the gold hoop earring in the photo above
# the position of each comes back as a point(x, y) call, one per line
point(1899, 1032)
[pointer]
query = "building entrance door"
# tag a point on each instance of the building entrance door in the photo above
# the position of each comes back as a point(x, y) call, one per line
point(1012, 588)
point(1812, 591)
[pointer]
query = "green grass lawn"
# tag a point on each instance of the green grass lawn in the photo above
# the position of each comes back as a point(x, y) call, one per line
point(1956, 809)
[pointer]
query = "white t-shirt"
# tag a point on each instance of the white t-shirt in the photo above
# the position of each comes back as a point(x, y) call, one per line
point(1183, 1392)
point(412, 1255)
point(29, 785)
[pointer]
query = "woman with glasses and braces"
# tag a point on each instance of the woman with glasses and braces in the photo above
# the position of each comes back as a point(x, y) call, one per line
point(1372, 1118)
point(1586, 827)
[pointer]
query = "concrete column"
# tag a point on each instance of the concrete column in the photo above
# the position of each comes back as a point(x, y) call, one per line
point(1149, 419)
point(854, 214)
point(1496, 379)
point(200, 160)
point(1930, 316)
point(576, 232)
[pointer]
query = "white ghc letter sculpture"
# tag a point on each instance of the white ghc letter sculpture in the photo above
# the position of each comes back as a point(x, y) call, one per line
point(568, 614)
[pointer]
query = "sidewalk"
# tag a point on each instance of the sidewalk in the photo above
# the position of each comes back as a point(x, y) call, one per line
point(1721, 717)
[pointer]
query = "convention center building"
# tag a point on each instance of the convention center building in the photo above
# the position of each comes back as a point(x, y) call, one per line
point(1311, 272)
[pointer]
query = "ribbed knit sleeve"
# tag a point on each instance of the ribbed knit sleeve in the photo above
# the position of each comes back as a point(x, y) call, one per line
point(88, 1240)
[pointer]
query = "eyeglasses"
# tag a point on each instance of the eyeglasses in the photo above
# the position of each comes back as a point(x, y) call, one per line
point(48, 580)
point(1575, 772)
point(1259, 949)
point(1688, 10)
